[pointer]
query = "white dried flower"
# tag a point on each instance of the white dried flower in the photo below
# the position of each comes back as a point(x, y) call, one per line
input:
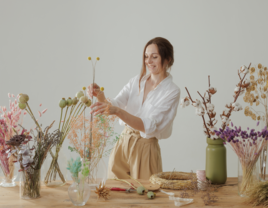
point(225, 112)
point(225, 120)
point(212, 90)
point(243, 69)
point(200, 111)
point(237, 107)
point(184, 102)
point(210, 107)
point(197, 104)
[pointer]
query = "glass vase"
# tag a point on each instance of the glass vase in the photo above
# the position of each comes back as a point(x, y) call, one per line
point(30, 184)
point(216, 170)
point(263, 170)
point(79, 192)
point(98, 173)
point(9, 171)
point(247, 176)
point(54, 170)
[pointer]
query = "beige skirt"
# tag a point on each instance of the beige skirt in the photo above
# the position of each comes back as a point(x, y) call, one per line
point(135, 156)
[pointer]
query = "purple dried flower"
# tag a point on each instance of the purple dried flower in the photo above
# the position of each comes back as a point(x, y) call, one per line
point(258, 123)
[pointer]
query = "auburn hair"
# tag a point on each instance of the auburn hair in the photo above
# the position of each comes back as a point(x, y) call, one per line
point(165, 50)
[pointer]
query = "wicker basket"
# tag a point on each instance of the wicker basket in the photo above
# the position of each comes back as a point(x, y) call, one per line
point(173, 180)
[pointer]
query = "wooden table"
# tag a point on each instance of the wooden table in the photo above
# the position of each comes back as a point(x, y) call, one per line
point(58, 198)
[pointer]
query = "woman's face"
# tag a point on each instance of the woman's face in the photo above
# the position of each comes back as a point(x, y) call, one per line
point(153, 59)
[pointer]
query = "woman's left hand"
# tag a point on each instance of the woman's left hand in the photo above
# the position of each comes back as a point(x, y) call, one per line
point(103, 108)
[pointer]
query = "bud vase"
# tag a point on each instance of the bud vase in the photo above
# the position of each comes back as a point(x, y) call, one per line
point(79, 191)
point(247, 176)
point(8, 171)
point(263, 160)
point(216, 170)
point(30, 184)
point(55, 171)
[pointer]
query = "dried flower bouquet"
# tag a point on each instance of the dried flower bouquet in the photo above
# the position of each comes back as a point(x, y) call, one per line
point(247, 145)
point(77, 106)
point(30, 159)
point(10, 120)
point(205, 106)
point(257, 94)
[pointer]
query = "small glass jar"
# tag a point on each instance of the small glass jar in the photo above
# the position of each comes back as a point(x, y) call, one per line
point(30, 184)
point(98, 173)
point(248, 174)
point(79, 192)
point(8, 174)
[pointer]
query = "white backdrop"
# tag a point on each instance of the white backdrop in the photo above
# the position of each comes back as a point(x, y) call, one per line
point(44, 47)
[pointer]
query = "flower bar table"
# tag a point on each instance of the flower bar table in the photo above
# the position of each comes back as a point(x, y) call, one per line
point(58, 198)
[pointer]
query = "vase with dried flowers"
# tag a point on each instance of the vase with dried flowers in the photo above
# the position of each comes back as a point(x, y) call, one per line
point(102, 133)
point(10, 120)
point(256, 94)
point(74, 107)
point(30, 159)
point(216, 170)
point(248, 145)
point(79, 191)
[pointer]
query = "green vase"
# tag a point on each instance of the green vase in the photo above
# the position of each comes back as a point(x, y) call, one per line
point(216, 170)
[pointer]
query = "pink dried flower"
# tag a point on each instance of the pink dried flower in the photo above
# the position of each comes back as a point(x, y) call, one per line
point(44, 111)
point(9, 95)
point(16, 102)
point(24, 113)
point(40, 114)
point(13, 95)
point(40, 104)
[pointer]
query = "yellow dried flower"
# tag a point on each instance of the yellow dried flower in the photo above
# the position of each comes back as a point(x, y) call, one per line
point(263, 96)
point(265, 88)
point(84, 88)
point(102, 89)
point(89, 58)
point(260, 80)
point(257, 103)
point(253, 116)
point(252, 70)
point(260, 73)
point(245, 98)
point(251, 77)
point(259, 66)
point(257, 97)
point(253, 88)
point(246, 108)
point(251, 103)
point(98, 58)
point(258, 118)
point(252, 96)
point(265, 68)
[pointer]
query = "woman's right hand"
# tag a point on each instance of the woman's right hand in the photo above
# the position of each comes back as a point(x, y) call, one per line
point(93, 91)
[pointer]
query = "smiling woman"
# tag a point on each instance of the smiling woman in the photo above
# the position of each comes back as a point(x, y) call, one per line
point(147, 106)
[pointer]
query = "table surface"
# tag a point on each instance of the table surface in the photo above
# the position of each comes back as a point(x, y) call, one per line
point(58, 198)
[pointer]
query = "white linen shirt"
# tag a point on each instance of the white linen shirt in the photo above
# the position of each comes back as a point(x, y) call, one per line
point(158, 110)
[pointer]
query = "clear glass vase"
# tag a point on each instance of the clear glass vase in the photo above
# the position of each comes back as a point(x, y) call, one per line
point(79, 192)
point(8, 171)
point(30, 184)
point(263, 160)
point(98, 173)
point(55, 172)
point(247, 176)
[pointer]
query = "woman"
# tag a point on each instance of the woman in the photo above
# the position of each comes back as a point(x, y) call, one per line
point(147, 106)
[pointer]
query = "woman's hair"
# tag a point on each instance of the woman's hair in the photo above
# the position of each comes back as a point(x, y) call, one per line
point(165, 49)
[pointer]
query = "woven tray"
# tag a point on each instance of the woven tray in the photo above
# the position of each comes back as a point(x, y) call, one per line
point(173, 180)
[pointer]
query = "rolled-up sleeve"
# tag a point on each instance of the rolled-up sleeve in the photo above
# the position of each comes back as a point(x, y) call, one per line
point(122, 98)
point(161, 116)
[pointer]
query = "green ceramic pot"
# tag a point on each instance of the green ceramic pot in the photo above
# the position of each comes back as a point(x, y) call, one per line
point(216, 170)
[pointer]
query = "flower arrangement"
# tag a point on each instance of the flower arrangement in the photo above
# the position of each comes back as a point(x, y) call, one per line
point(30, 159)
point(205, 106)
point(74, 108)
point(79, 191)
point(10, 120)
point(257, 93)
point(247, 145)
